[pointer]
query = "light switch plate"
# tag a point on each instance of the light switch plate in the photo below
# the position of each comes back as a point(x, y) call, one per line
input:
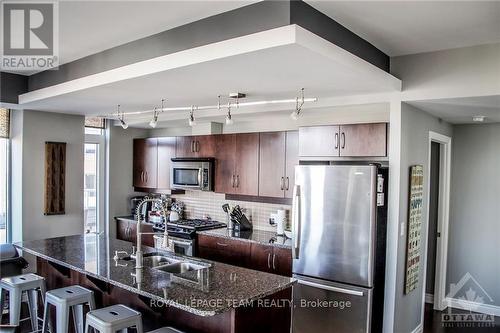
point(402, 229)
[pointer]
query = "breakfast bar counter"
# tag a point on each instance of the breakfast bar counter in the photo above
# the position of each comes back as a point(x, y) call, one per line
point(215, 298)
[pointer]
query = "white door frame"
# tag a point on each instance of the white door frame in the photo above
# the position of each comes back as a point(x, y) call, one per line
point(443, 221)
point(100, 140)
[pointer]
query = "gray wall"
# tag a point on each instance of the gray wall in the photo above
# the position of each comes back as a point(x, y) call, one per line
point(31, 129)
point(475, 207)
point(120, 166)
point(415, 127)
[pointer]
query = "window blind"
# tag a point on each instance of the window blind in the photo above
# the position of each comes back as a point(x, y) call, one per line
point(4, 122)
point(95, 122)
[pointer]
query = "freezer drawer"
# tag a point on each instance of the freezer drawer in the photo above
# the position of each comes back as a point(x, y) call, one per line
point(324, 306)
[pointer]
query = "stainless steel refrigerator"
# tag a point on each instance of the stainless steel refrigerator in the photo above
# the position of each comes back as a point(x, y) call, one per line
point(339, 225)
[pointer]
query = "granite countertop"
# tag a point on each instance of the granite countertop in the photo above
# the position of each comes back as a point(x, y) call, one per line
point(206, 292)
point(255, 236)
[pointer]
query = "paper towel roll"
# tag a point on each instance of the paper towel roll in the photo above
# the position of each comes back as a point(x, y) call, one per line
point(280, 221)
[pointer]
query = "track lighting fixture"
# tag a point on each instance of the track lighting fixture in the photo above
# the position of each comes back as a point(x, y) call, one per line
point(234, 102)
point(121, 117)
point(298, 106)
point(191, 120)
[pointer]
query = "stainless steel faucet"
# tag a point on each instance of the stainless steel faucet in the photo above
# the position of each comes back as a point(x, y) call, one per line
point(139, 255)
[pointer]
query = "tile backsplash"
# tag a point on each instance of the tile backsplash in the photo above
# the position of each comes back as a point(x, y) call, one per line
point(198, 204)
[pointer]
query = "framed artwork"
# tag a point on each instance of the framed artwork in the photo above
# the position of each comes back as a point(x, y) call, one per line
point(55, 178)
point(414, 228)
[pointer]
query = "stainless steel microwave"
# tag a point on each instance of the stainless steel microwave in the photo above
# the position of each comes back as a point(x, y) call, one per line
point(192, 174)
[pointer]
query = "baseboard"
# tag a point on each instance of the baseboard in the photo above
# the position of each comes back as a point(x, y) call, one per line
point(429, 298)
point(493, 310)
point(418, 329)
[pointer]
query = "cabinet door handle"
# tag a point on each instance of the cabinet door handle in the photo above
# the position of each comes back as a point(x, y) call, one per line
point(336, 140)
point(232, 181)
point(287, 183)
point(142, 176)
point(192, 146)
point(343, 140)
point(282, 183)
point(146, 177)
point(269, 260)
point(274, 257)
point(237, 180)
point(221, 244)
point(197, 146)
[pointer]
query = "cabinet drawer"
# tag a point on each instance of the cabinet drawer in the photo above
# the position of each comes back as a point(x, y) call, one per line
point(224, 250)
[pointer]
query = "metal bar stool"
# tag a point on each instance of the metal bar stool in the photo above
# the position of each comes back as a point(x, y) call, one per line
point(115, 318)
point(30, 284)
point(64, 299)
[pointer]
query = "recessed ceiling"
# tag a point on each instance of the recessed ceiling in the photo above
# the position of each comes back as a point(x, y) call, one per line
point(461, 110)
point(407, 27)
point(283, 60)
point(88, 27)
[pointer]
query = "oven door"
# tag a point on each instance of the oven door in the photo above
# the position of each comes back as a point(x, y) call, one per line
point(186, 176)
point(182, 246)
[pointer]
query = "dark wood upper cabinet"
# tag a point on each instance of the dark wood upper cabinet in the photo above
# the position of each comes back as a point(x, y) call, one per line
point(272, 164)
point(292, 160)
point(358, 140)
point(319, 141)
point(205, 145)
point(277, 161)
point(145, 163)
point(166, 150)
point(246, 161)
point(196, 146)
point(237, 163)
point(224, 163)
point(363, 140)
point(184, 146)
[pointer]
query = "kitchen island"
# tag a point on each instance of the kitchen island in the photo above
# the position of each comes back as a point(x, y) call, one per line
point(218, 298)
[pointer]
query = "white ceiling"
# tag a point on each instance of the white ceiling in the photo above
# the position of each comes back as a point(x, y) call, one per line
point(88, 27)
point(407, 27)
point(396, 27)
point(461, 110)
point(276, 73)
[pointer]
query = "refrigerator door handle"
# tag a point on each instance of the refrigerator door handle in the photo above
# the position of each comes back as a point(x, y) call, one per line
point(331, 288)
point(296, 221)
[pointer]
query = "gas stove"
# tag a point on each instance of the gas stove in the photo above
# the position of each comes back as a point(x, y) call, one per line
point(187, 228)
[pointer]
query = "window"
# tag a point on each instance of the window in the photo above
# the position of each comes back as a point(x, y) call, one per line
point(95, 125)
point(93, 177)
point(4, 175)
point(90, 186)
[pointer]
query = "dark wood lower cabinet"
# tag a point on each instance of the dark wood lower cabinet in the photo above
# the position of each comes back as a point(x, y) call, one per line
point(265, 258)
point(126, 230)
point(246, 319)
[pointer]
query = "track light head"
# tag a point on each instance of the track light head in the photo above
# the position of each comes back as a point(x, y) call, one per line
point(154, 121)
point(191, 120)
point(123, 124)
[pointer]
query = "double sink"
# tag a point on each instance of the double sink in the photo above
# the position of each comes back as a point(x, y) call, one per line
point(168, 264)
